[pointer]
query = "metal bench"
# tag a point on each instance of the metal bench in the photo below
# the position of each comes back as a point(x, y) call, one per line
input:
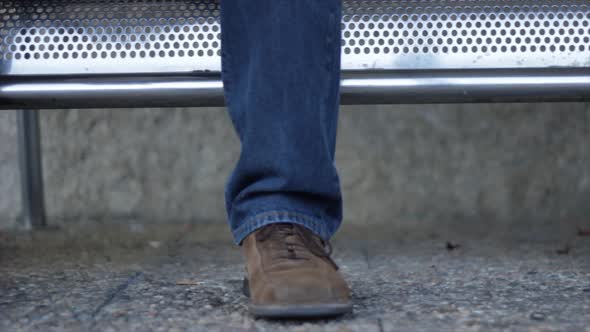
point(165, 53)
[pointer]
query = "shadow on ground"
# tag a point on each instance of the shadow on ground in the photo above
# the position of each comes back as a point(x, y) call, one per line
point(186, 277)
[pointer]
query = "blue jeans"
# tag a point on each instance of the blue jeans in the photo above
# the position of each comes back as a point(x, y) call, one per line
point(281, 75)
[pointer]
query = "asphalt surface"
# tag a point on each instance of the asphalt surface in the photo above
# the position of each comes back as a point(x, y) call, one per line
point(135, 277)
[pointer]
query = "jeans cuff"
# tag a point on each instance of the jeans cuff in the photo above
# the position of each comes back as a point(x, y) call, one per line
point(317, 226)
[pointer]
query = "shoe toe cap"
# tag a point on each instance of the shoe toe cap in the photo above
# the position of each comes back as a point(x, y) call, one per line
point(305, 288)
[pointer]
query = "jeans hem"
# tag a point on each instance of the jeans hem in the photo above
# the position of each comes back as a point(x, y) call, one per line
point(260, 220)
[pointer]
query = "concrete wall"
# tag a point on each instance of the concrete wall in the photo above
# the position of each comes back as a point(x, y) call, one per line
point(428, 164)
point(9, 173)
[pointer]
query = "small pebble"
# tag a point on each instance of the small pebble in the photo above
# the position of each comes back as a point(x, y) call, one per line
point(538, 316)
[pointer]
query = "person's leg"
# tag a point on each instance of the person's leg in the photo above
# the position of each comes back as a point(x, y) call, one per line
point(281, 73)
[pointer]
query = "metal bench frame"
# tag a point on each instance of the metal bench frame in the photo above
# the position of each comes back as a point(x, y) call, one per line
point(165, 53)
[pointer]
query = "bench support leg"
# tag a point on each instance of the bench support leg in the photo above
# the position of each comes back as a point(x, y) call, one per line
point(31, 169)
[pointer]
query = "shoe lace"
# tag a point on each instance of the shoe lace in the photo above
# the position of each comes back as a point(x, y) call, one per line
point(296, 241)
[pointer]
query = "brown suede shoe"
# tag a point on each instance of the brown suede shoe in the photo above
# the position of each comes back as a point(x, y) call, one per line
point(291, 274)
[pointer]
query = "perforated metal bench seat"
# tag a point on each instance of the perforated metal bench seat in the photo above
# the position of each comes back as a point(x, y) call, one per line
point(392, 51)
point(136, 53)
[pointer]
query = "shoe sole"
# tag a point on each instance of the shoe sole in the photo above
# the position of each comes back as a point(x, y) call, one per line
point(300, 311)
point(296, 311)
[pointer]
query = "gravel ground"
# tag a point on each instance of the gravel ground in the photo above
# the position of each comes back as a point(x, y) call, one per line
point(103, 277)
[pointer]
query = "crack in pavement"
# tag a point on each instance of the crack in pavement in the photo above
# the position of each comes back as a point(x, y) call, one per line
point(170, 247)
point(113, 294)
